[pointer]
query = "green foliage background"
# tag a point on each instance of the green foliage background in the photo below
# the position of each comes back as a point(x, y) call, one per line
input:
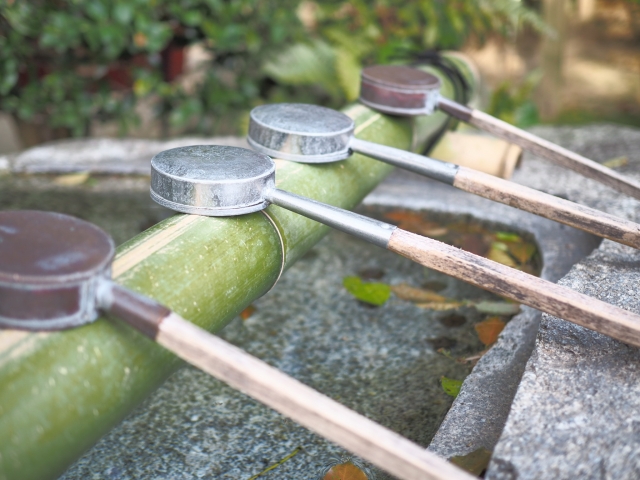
point(56, 55)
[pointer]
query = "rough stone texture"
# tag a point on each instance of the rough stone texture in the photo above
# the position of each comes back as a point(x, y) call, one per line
point(381, 362)
point(575, 414)
point(478, 414)
point(104, 155)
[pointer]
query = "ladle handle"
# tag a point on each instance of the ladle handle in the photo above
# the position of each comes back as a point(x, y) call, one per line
point(487, 274)
point(509, 193)
point(545, 149)
point(268, 385)
point(548, 297)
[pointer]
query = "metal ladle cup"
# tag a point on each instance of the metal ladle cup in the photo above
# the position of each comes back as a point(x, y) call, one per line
point(406, 91)
point(55, 274)
point(312, 134)
point(220, 181)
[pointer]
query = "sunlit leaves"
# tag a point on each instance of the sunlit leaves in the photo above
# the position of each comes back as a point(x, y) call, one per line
point(369, 292)
point(451, 386)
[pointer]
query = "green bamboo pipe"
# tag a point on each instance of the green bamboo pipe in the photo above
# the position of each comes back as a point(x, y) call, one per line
point(60, 392)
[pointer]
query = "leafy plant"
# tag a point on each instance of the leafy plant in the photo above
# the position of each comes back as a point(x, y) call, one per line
point(65, 62)
point(345, 36)
point(512, 102)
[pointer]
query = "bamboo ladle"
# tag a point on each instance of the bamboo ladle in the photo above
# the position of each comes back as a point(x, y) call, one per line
point(224, 181)
point(55, 274)
point(406, 91)
point(312, 134)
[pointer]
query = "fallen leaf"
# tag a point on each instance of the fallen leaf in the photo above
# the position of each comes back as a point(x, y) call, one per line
point(404, 216)
point(450, 386)
point(508, 237)
point(368, 292)
point(498, 254)
point(345, 471)
point(522, 251)
point(416, 223)
point(475, 243)
point(475, 462)
point(72, 179)
point(616, 162)
point(489, 329)
point(496, 308)
point(413, 294)
point(440, 306)
point(247, 312)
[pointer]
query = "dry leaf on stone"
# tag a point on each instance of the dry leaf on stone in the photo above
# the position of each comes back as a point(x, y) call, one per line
point(616, 162)
point(413, 294)
point(489, 329)
point(247, 312)
point(72, 179)
point(475, 462)
point(522, 251)
point(416, 223)
point(498, 253)
point(440, 306)
point(345, 471)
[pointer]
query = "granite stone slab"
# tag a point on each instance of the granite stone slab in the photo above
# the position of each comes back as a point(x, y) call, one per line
point(104, 155)
point(478, 414)
point(576, 413)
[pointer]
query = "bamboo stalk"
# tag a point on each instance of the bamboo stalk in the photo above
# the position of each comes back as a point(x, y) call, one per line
point(60, 392)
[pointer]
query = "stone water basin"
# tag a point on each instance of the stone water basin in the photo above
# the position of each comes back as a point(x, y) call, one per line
point(385, 362)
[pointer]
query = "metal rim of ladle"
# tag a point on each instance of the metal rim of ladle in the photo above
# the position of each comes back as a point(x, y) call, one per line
point(272, 132)
point(65, 260)
point(399, 90)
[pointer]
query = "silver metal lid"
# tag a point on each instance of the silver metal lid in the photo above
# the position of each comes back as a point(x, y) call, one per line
point(301, 133)
point(399, 90)
point(50, 268)
point(211, 180)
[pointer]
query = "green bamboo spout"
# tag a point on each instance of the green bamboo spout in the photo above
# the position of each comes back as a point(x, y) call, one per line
point(60, 392)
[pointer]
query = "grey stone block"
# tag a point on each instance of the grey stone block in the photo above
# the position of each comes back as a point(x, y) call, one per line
point(576, 411)
point(105, 155)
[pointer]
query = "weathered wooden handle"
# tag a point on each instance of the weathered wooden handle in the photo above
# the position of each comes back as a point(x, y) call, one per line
point(548, 297)
point(252, 376)
point(554, 208)
point(545, 149)
point(509, 193)
point(319, 413)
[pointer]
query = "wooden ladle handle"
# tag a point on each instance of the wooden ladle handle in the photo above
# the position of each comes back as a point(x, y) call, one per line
point(545, 149)
point(252, 376)
point(548, 297)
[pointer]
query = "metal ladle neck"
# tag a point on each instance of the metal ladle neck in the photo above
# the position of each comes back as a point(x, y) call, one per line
point(373, 231)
